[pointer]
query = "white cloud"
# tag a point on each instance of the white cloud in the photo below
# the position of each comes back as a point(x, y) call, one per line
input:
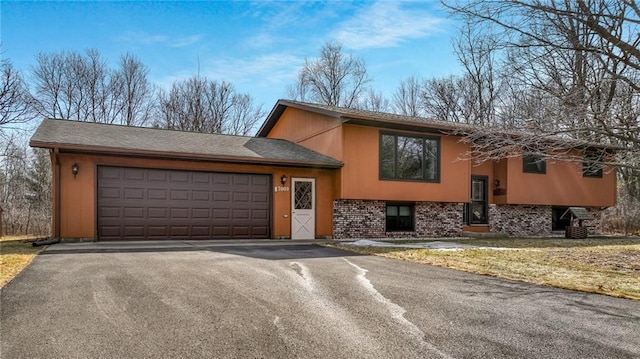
point(386, 24)
point(141, 37)
point(274, 70)
point(184, 41)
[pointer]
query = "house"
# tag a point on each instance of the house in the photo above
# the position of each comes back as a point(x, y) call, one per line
point(312, 171)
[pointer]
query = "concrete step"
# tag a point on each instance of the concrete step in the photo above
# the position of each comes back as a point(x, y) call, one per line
point(484, 234)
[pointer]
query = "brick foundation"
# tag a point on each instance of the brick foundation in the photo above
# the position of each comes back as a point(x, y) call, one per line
point(366, 219)
point(520, 220)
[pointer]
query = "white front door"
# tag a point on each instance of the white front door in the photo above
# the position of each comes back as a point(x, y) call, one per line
point(303, 208)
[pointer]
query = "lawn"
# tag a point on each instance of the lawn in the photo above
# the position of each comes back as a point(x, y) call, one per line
point(598, 265)
point(16, 252)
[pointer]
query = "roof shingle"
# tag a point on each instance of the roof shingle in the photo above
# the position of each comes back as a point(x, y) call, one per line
point(96, 137)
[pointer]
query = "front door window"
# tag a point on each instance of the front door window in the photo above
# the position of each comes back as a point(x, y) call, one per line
point(477, 209)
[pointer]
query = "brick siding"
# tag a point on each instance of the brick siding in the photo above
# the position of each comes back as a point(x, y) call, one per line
point(520, 220)
point(366, 219)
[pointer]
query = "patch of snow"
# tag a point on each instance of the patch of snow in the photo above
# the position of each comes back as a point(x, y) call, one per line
point(397, 312)
point(425, 245)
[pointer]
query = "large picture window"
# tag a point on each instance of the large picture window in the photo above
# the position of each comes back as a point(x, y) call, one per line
point(532, 163)
point(412, 158)
point(399, 217)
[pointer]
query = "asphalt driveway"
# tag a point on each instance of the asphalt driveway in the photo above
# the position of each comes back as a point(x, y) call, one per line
point(190, 300)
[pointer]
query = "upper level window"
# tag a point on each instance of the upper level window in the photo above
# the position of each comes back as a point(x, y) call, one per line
point(413, 158)
point(534, 163)
point(592, 164)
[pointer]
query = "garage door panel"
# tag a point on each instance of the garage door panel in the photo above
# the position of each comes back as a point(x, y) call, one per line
point(221, 178)
point(219, 196)
point(134, 231)
point(200, 231)
point(200, 213)
point(134, 213)
point(241, 196)
point(160, 194)
point(136, 203)
point(179, 195)
point(179, 176)
point(260, 231)
point(241, 214)
point(110, 193)
point(109, 173)
point(134, 193)
point(157, 212)
point(221, 231)
point(201, 195)
point(134, 174)
point(157, 231)
point(179, 213)
point(110, 212)
point(221, 213)
point(259, 214)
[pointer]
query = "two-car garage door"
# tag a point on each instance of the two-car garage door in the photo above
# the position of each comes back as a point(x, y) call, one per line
point(139, 204)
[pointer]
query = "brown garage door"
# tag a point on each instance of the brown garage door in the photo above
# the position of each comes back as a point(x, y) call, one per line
point(138, 204)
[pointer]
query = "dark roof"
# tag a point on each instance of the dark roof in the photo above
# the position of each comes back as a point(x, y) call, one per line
point(104, 138)
point(402, 122)
point(580, 213)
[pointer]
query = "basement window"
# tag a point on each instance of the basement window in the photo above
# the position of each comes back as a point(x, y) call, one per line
point(399, 217)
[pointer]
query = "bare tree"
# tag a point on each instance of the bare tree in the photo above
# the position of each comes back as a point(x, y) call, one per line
point(134, 91)
point(202, 105)
point(407, 99)
point(374, 101)
point(578, 59)
point(71, 85)
point(243, 117)
point(335, 78)
point(14, 97)
point(452, 98)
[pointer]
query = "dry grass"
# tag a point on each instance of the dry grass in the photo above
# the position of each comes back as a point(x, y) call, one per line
point(605, 266)
point(16, 252)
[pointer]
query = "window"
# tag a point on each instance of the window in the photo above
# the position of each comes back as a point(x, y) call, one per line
point(476, 211)
point(533, 163)
point(409, 158)
point(591, 165)
point(399, 217)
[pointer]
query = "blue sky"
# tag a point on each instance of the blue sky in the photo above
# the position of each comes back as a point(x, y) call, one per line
point(258, 46)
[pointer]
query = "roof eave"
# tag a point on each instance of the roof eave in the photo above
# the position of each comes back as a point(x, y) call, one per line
point(183, 156)
point(279, 109)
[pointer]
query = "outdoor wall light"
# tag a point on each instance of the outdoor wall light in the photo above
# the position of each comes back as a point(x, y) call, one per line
point(496, 183)
point(74, 169)
point(283, 179)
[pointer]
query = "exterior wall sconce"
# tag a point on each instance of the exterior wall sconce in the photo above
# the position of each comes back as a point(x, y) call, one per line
point(283, 179)
point(496, 183)
point(74, 169)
